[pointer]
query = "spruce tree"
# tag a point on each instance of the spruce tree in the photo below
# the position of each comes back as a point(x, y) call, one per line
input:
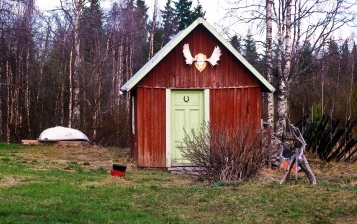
point(141, 44)
point(198, 12)
point(250, 49)
point(305, 61)
point(354, 60)
point(235, 41)
point(333, 60)
point(170, 22)
point(345, 59)
point(184, 13)
point(91, 25)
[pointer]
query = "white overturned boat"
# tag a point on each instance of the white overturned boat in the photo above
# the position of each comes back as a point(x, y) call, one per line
point(60, 133)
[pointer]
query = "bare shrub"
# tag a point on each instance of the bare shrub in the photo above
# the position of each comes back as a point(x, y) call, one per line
point(225, 154)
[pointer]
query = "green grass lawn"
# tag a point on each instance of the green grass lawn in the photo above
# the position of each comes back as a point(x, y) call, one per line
point(40, 184)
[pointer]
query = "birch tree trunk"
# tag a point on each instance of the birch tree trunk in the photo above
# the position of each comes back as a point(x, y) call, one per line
point(98, 83)
point(114, 80)
point(70, 101)
point(152, 32)
point(8, 97)
point(269, 64)
point(280, 31)
point(97, 104)
point(77, 64)
point(284, 71)
point(27, 71)
point(27, 90)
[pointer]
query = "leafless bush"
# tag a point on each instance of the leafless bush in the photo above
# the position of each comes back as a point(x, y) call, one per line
point(225, 154)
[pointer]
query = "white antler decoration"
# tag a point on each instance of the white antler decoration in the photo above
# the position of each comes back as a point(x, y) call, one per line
point(187, 54)
point(215, 56)
point(212, 60)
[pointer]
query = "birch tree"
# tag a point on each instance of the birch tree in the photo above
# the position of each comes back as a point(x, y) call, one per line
point(284, 35)
point(74, 15)
point(94, 47)
point(295, 24)
point(16, 22)
point(170, 22)
point(153, 29)
point(268, 56)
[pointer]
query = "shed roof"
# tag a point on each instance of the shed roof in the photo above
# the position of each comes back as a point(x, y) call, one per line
point(176, 40)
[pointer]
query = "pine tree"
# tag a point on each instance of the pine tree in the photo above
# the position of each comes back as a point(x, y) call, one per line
point(198, 12)
point(346, 76)
point(235, 41)
point(305, 84)
point(170, 22)
point(141, 11)
point(305, 59)
point(93, 42)
point(184, 13)
point(90, 27)
point(141, 44)
point(333, 61)
point(250, 49)
point(345, 59)
point(354, 60)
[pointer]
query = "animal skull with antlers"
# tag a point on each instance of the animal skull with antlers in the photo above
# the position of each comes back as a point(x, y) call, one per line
point(200, 58)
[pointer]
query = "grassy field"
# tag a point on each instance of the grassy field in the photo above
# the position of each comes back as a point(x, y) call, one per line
point(42, 184)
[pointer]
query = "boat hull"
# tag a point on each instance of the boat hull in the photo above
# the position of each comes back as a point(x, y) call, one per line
point(62, 134)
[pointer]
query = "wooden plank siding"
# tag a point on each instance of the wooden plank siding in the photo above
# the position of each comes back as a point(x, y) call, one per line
point(172, 71)
point(150, 127)
point(235, 94)
point(235, 106)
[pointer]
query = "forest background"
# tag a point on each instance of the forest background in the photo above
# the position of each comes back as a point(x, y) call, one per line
point(66, 66)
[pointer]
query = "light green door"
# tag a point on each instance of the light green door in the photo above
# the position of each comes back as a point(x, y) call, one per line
point(187, 113)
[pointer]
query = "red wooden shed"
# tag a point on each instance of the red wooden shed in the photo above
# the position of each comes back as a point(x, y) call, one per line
point(176, 91)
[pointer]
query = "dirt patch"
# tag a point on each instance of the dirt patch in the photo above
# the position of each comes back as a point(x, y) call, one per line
point(91, 157)
point(8, 181)
point(94, 157)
